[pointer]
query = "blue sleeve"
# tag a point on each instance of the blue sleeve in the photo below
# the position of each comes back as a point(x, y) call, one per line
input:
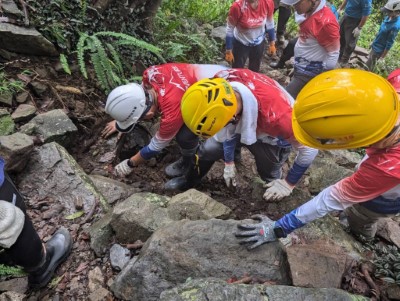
point(147, 153)
point(289, 222)
point(366, 7)
point(229, 42)
point(334, 10)
point(295, 173)
point(229, 149)
point(271, 34)
point(391, 38)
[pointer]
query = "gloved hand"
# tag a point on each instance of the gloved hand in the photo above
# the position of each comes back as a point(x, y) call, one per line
point(255, 235)
point(123, 169)
point(356, 32)
point(229, 174)
point(277, 190)
point(272, 49)
point(229, 56)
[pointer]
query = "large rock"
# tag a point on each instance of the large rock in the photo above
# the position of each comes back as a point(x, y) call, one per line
point(113, 190)
point(25, 40)
point(327, 263)
point(16, 150)
point(101, 235)
point(53, 174)
point(139, 216)
point(211, 289)
point(196, 249)
point(325, 172)
point(193, 204)
point(52, 126)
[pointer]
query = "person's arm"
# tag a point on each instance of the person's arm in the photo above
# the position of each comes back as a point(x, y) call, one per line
point(342, 6)
point(390, 41)
point(233, 18)
point(329, 38)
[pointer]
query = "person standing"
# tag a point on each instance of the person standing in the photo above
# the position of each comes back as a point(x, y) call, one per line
point(355, 16)
point(387, 33)
point(317, 47)
point(249, 21)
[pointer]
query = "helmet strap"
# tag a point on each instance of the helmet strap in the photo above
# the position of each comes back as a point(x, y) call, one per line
point(149, 102)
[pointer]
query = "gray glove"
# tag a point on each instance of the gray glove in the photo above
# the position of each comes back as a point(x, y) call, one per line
point(123, 169)
point(255, 235)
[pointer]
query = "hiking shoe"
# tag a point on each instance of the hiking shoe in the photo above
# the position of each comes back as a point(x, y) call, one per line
point(57, 250)
point(178, 168)
point(179, 183)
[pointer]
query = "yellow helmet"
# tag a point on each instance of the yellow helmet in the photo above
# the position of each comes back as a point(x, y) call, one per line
point(344, 108)
point(208, 105)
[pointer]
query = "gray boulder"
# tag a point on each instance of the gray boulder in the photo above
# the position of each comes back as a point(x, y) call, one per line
point(196, 249)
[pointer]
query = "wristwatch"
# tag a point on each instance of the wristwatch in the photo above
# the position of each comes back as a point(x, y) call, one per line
point(279, 232)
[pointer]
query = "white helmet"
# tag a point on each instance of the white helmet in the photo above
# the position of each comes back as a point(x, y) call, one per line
point(289, 2)
point(391, 6)
point(126, 104)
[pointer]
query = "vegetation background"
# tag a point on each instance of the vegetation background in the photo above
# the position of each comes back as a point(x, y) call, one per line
point(180, 32)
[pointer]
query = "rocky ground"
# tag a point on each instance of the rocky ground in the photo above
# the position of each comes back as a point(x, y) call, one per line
point(48, 88)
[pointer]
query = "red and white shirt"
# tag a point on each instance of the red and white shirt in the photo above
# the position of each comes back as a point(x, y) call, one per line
point(317, 48)
point(170, 81)
point(248, 25)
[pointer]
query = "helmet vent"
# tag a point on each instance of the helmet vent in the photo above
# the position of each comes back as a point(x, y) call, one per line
point(227, 103)
point(209, 96)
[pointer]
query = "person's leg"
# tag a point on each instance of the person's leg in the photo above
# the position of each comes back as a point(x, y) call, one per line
point(363, 221)
point(283, 18)
point(39, 260)
point(297, 83)
point(349, 24)
point(372, 58)
point(269, 159)
point(27, 251)
point(240, 54)
point(255, 56)
point(188, 143)
point(287, 54)
point(209, 152)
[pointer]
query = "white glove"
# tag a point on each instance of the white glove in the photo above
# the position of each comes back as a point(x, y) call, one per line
point(356, 32)
point(229, 175)
point(277, 190)
point(123, 169)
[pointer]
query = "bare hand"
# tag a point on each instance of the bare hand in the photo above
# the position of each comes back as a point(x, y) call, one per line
point(109, 129)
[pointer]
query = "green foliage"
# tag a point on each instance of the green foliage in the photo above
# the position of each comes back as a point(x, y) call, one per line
point(64, 64)
point(60, 21)
point(9, 86)
point(101, 49)
point(210, 11)
point(6, 270)
point(182, 39)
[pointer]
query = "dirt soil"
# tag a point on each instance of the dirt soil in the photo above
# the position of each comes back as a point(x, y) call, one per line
point(96, 156)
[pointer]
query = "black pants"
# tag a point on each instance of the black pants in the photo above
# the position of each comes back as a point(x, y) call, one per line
point(283, 18)
point(288, 51)
point(186, 139)
point(27, 251)
point(254, 53)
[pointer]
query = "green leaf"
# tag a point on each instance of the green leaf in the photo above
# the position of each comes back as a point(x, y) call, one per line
point(75, 215)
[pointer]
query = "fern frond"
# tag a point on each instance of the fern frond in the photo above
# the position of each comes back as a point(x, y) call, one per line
point(64, 64)
point(99, 70)
point(132, 41)
point(80, 49)
point(115, 58)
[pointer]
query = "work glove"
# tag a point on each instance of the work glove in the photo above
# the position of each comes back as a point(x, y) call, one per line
point(254, 235)
point(272, 49)
point(229, 174)
point(229, 56)
point(356, 32)
point(277, 190)
point(123, 169)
